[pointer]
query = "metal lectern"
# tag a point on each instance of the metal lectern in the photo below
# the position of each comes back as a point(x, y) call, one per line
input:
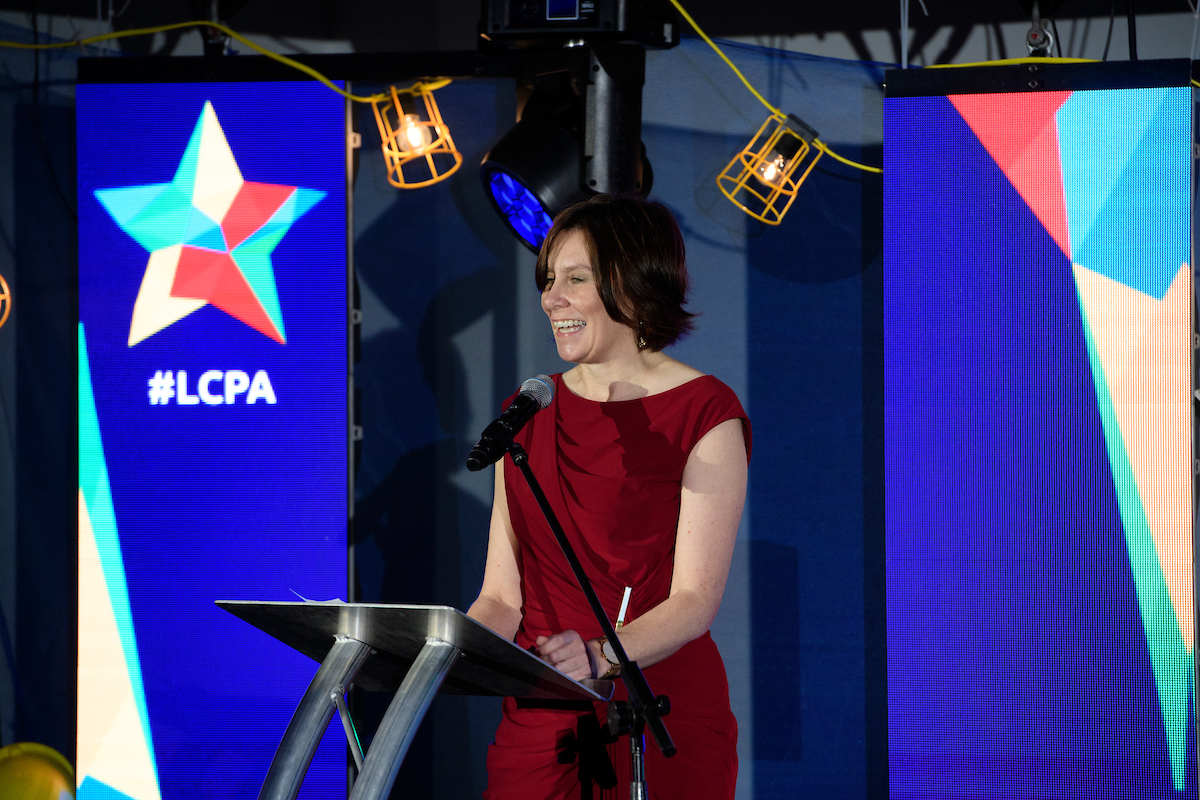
point(420, 649)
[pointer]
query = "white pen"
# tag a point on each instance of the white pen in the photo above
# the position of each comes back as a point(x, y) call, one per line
point(624, 606)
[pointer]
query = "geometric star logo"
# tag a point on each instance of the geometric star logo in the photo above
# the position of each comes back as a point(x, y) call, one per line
point(210, 235)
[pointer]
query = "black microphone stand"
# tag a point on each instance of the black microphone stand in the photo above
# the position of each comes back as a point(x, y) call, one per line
point(643, 708)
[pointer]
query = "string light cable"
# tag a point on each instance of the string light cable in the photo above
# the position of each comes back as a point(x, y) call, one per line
point(418, 88)
point(1009, 61)
point(775, 112)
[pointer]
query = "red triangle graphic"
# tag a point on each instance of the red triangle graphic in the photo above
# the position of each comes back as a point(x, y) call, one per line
point(1020, 134)
point(251, 208)
point(198, 272)
point(215, 277)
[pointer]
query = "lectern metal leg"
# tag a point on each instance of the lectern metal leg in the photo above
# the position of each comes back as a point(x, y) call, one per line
point(403, 716)
point(311, 719)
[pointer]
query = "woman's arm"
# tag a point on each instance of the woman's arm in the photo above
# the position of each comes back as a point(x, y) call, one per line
point(499, 603)
point(710, 508)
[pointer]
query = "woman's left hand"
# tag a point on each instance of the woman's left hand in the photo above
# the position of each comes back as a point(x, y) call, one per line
point(568, 653)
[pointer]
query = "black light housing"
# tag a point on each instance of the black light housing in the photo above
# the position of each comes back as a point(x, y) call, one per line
point(533, 172)
point(578, 133)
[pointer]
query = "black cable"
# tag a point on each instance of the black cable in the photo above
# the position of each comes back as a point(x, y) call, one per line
point(1057, 41)
point(1132, 29)
point(1001, 50)
point(36, 119)
point(10, 660)
point(36, 61)
point(1112, 14)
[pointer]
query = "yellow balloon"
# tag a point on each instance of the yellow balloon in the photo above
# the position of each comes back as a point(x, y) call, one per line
point(30, 771)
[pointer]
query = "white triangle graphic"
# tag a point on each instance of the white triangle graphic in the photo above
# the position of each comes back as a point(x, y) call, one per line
point(218, 178)
point(112, 746)
point(1143, 346)
point(155, 307)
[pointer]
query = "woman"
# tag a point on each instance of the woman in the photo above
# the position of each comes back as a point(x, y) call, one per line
point(644, 460)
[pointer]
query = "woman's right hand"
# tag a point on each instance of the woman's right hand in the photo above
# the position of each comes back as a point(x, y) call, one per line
point(569, 654)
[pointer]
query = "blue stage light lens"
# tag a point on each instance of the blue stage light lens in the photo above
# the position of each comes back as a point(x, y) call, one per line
point(522, 210)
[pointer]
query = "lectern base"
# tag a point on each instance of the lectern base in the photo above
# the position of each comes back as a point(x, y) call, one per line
point(434, 647)
point(403, 717)
point(311, 719)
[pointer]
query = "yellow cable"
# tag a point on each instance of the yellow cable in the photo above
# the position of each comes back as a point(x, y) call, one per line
point(865, 168)
point(775, 112)
point(725, 58)
point(1004, 61)
point(416, 88)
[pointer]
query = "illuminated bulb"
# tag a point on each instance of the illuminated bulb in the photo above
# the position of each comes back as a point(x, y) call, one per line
point(414, 137)
point(771, 169)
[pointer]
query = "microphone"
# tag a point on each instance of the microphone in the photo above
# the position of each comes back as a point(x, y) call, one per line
point(536, 394)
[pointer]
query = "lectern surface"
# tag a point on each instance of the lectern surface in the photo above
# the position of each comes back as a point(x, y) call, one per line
point(489, 665)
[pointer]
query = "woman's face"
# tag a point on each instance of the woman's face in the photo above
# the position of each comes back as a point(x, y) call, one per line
point(583, 330)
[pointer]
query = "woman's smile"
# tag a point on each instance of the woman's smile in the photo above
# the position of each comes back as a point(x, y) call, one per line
point(568, 327)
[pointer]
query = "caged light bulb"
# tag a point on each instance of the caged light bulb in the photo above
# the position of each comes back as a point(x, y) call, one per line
point(414, 137)
point(774, 167)
point(771, 169)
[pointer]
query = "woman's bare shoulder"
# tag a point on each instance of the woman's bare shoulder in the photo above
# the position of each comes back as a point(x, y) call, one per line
point(671, 374)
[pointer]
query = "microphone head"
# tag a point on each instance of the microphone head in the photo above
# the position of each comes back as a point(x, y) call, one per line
point(540, 388)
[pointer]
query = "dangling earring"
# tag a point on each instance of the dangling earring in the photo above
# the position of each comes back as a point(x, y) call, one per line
point(641, 337)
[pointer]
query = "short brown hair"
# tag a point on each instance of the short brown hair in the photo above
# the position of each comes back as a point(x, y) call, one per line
point(638, 260)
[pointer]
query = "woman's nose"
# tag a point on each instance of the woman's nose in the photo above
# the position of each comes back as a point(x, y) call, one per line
point(552, 298)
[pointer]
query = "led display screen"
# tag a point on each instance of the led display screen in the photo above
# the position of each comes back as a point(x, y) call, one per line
point(1038, 303)
point(212, 425)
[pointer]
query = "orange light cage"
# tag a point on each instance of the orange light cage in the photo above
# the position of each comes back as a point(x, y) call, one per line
point(412, 166)
point(5, 301)
point(742, 179)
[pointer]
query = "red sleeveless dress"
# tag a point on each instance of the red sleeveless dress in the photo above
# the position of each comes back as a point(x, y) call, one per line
point(612, 473)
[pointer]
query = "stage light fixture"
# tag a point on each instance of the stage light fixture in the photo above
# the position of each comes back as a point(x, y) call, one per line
point(578, 133)
point(762, 178)
point(417, 145)
point(533, 171)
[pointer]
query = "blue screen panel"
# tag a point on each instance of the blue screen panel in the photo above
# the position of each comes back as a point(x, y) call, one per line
point(212, 425)
point(562, 9)
point(1038, 316)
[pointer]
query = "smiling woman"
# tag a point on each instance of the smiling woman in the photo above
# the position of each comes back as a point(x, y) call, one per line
point(644, 460)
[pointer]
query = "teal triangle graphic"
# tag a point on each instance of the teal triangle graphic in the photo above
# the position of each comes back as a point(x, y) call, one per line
point(1098, 132)
point(1139, 234)
point(92, 789)
point(297, 205)
point(253, 258)
point(97, 496)
point(161, 222)
point(185, 173)
point(126, 202)
point(202, 231)
point(1173, 666)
